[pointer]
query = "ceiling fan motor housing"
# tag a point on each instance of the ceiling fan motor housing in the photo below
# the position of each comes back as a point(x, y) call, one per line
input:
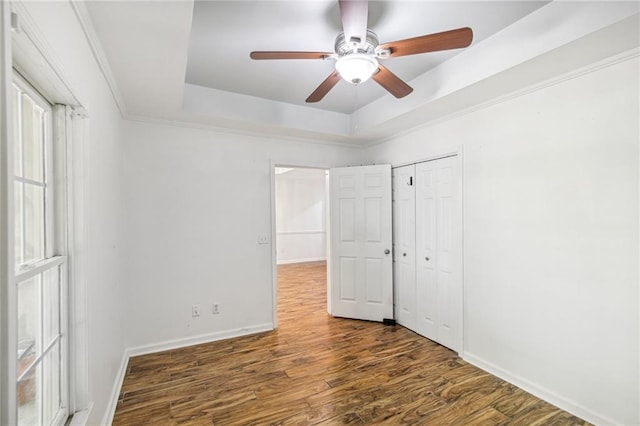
point(345, 47)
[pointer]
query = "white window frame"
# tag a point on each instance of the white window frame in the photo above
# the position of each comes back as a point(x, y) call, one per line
point(25, 48)
point(51, 246)
point(55, 241)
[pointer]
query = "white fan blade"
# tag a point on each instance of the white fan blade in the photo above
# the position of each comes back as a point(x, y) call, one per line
point(354, 15)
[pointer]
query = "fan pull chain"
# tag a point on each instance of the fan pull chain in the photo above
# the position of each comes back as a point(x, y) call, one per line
point(355, 111)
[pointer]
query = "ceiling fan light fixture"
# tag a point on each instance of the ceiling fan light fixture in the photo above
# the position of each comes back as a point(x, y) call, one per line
point(356, 68)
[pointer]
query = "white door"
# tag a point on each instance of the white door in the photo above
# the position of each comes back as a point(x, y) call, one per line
point(426, 279)
point(438, 252)
point(404, 244)
point(361, 260)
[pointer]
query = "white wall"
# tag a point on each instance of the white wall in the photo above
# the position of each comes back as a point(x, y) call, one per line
point(300, 215)
point(196, 202)
point(551, 237)
point(102, 167)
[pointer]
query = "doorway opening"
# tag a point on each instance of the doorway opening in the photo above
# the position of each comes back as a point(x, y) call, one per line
point(300, 239)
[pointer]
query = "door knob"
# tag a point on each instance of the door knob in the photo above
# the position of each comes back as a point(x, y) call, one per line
point(404, 254)
point(387, 251)
point(426, 258)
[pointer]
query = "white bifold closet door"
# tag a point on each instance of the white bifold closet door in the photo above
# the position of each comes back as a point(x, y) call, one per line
point(428, 258)
point(404, 245)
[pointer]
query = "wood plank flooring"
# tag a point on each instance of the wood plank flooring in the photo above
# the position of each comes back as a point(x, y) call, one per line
point(320, 370)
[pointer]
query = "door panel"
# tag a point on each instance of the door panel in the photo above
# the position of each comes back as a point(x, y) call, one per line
point(404, 245)
point(373, 219)
point(347, 271)
point(374, 270)
point(444, 306)
point(362, 286)
point(449, 280)
point(426, 240)
point(347, 220)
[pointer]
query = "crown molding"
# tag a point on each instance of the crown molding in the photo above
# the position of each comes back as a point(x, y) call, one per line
point(82, 14)
point(275, 135)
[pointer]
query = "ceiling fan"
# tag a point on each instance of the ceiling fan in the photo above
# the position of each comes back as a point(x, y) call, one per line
point(358, 52)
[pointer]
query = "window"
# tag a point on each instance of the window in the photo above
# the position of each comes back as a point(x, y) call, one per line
point(40, 264)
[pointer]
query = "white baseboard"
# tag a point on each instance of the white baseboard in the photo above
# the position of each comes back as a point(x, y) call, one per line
point(539, 391)
point(196, 340)
point(311, 259)
point(107, 419)
point(168, 345)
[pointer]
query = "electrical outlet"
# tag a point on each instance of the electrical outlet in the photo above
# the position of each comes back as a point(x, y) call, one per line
point(195, 311)
point(215, 309)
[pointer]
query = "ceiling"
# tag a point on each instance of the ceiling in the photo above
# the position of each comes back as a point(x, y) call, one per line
point(188, 62)
point(224, 32)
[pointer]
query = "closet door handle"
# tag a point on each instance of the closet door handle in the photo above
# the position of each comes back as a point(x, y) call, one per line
point(387, 251)
point(426, 258)
point(404, 254)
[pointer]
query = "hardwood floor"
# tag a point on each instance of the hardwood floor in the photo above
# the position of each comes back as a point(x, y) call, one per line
point(320, 370)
